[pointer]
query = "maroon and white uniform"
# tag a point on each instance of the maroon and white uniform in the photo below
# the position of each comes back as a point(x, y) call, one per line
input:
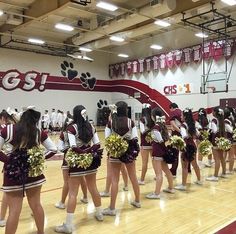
point(122, 68)
point(8, 135)
point(207, 50)
point(129, 132)
point(163, 61)
point(158, 144)
point(175, 116)
point(156, 63)
point(214, 126)
point(117, 70)
point(144, 130)
point(141, 65)
point(218, 49)
point(111, 71)
point(229, 48)
point(76, 142)
point(229, 129)
point(63, 146)
point(135, 67)
point(129, 69)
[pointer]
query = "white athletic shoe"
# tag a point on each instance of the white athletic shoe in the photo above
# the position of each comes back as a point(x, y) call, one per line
point(2, 223)
point(99, 216)
point(84, 200)
point(180, 187)
point(168, 190)
point(104, 194)
point(141, 182)
point(136, 204)
point(224, 176)
point(212, 178)
point(63, 229)
point(60, 205)
point(109, 212)
point(198, 182)
point(153, 196)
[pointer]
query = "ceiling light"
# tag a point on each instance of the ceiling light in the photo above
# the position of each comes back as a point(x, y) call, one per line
point(118, 39)
point(64, 27)
point(202, 35)
point(156, 47)
point(85, 49)
point(36, 41)
point(80, 56)
point(162, 23)
point(123, 55)
point(1, 12)
point(107, 6)
point(229, 2)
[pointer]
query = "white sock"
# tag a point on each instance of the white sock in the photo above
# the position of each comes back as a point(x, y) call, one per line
point(98, 209)
point(69, 219)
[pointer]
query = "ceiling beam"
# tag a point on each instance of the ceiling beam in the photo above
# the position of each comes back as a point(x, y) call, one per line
point(38, 9)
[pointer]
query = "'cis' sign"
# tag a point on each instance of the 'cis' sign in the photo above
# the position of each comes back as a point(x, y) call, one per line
point(178, 89)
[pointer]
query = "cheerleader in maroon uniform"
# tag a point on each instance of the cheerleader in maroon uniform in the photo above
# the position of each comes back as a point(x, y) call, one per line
point(22, 136)
point(81, 134)
point(229, 127)
point(63, 146)
point(5, 119)
point(217, 127)
point(175, 122)
point(146, 123)
point(202, 124)
point(188, 132)
point(124, 127)
point(160, 135)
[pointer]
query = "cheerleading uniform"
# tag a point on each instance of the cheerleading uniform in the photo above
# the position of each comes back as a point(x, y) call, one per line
point(8, 135)
point(175, 116)
point(81, 147)
point(214, 126)
point(144, 130)
point(158, 144)
point(191, 148)
point(63, 146)
point(128, 133)
point(229, 129)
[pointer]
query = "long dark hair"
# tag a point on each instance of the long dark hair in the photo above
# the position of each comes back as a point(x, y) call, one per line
point(84, 127)
point(188, 117)
point(146, 114)
point(122, 111)
point(7, 118)
point(229, 114)
point(219, 114)
point(156, 112)
point(202, 117)
point(27, 132)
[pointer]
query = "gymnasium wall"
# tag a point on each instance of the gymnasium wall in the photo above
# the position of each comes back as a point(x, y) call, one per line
point(58, 91)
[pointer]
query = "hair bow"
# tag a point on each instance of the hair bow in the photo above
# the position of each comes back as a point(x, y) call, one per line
point(201, 112)
point(30, 108)
point(84, 114)
point(146, 105)
point(186, 110)
point(220, 111)
point(160, 119)
point(113, 108)
point(10, 111)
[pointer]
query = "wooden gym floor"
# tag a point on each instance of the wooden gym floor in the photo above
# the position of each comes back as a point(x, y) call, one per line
point(202, 209)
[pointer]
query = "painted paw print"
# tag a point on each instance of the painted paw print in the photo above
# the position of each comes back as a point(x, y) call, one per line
point(67, 70)
point(87, 81)
point(101, 104)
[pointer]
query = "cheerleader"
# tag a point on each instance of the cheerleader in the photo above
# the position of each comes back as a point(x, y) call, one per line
point(124, 127)
point(23, 136)
point(146, 123)
point(188, 132)
point(175, 122)
point(160, 135)
point(63, 146)
point(80, 135)
point(217, 127)
point(229, 127)
point(5, 119)
point(202, 124)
